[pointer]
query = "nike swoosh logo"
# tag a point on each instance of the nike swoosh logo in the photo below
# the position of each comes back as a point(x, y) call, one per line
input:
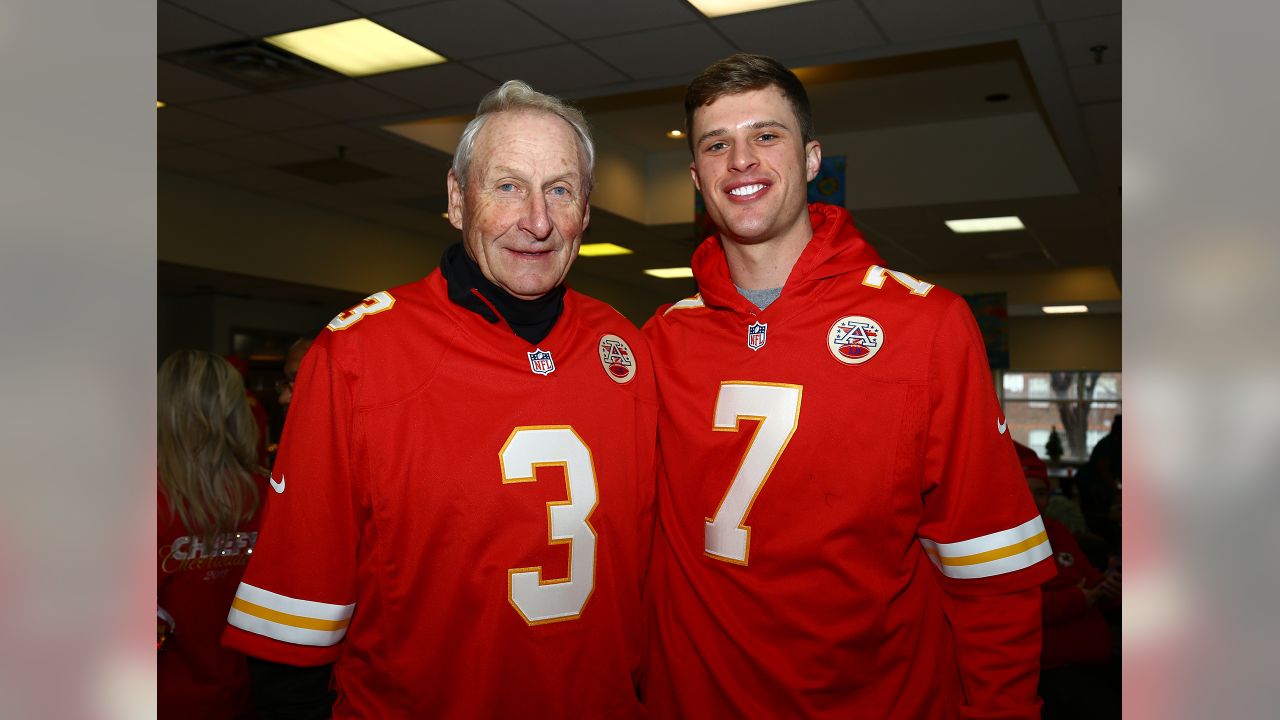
point(277, 486)
point(1001, 425)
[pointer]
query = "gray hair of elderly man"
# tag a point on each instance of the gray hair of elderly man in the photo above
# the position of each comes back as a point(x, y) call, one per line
point(517, 96)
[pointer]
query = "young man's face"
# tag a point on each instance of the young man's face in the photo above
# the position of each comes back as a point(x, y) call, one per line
point(752, 165)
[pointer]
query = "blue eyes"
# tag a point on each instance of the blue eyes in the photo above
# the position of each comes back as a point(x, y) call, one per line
point(557, 191)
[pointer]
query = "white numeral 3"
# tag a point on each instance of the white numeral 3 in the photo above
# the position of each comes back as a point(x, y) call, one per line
point(527, 449)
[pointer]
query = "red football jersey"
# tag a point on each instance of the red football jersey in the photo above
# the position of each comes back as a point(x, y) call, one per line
point(836, 479)
point(196, 677)
point(461, 520)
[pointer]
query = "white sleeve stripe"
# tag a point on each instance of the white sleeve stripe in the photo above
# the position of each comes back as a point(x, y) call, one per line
point(987, 543)
point(284, 633)
point(1009, 564)
point(293, 606)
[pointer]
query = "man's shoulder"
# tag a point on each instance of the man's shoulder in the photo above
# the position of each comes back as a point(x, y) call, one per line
point(677, 313)
point(601, 317)
point(382, 317)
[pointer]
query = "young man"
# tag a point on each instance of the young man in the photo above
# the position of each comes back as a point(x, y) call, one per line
point(463, 502)
point(845, 527)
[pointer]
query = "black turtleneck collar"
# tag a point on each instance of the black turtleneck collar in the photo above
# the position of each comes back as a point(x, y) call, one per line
point(531, 320)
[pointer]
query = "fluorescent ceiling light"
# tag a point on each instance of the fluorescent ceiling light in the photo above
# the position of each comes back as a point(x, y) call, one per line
point(601, 250)
point(356, 48)
point(991, 224)
point(668, 273)
point(1065, 309)
point(675, 133)
point(716, 8)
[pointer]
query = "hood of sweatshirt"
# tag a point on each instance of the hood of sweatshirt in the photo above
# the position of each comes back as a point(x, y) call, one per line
point(837, 247)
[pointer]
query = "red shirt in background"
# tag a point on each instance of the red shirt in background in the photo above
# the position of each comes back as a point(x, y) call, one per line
point(197, 678)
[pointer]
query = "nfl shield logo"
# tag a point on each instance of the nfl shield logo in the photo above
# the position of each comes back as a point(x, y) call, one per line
point(756, 335)
point(540, 362)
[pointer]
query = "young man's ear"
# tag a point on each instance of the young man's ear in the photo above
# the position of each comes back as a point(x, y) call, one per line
point(812, 159)
point(693, 173)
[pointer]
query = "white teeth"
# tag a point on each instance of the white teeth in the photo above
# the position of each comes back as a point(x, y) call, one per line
point(747, 189)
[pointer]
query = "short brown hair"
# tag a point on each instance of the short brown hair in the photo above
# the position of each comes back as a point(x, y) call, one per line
point(743, 72)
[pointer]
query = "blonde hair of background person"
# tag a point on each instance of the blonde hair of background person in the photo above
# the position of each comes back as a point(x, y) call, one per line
point(207, 447)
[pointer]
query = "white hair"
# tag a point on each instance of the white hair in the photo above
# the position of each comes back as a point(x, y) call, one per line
point(516, 96)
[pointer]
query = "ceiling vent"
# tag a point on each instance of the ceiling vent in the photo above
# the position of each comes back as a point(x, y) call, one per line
point(254, 65)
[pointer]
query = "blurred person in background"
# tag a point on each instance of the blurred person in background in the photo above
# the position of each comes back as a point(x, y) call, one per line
point(292, 361)
point(1098, 485)
point(210, 493)
point(259, 412)
point(1080, 664)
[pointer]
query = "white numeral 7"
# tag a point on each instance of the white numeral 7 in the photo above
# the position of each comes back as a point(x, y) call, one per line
point(777, 407)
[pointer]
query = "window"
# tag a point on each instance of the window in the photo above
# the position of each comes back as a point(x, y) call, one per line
point(1079, 405)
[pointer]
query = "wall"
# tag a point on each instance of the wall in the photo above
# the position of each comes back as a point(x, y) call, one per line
point(209, 225)
point(1069, 342)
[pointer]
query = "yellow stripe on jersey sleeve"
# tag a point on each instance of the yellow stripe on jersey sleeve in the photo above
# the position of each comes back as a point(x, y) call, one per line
point(301, 622)
point(994, 554)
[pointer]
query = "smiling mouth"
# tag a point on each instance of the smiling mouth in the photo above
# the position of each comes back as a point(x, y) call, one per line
point(746, 190)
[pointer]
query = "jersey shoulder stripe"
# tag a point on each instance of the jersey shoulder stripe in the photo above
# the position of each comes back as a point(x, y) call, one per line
point(686, 304)
point(998, 553)
point(301, 622)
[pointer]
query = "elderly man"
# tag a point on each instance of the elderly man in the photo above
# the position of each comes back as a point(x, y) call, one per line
point(463, 501)
point(846, 528)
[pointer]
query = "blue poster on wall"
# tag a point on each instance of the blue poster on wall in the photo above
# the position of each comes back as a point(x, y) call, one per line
point(828, 186)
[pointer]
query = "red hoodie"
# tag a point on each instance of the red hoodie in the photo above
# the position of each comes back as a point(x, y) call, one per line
point(845, 530)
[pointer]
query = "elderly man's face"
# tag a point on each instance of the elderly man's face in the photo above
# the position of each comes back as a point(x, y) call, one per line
point(524, 209)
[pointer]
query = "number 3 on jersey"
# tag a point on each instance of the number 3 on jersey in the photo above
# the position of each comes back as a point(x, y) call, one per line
point(527, 449)
point(777, 408)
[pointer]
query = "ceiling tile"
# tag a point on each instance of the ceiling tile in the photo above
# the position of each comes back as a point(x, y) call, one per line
point(376, 6)
point(357, 140)
point(346, 100)
point(176, 84)
point(268, 180)
point(439, 86)
point(464, 29)
point(551, 69)
point(194, 160)
point(259, 112)
point(177, 29)
point(681, 51)
point(1077, 36)
point(787, 32)
point(174, 123)
point(908, 20)
point(259, 18)
point(265, 150)
point(399, 188)
point(581, 19)
point(1095, 83)
point(407, 163)
point(1056, 10)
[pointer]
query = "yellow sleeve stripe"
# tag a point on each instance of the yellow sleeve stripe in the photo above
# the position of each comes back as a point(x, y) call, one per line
point(278, 617)
point(989, 555)
point(289, 619)
point(994, 554)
